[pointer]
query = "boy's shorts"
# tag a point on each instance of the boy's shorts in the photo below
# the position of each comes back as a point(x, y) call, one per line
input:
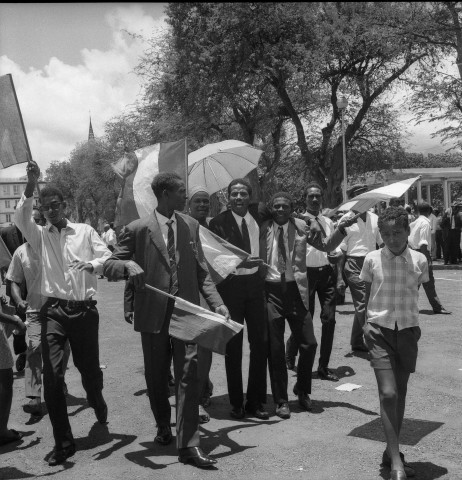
point(392, 349)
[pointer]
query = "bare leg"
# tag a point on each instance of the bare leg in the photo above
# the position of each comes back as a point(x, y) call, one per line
point(6, 397)
point(402, 379)
point(389, 412)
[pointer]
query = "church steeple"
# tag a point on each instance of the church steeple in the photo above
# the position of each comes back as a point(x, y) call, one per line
point(91, 135)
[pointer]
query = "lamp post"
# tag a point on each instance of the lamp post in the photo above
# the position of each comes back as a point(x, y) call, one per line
point(342, 103)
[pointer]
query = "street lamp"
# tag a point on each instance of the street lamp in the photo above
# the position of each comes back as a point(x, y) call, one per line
point(342, 104)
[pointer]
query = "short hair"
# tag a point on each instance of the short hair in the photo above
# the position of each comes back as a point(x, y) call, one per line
point(314, 185)
point(394, 214)
point(240, 181)
point(164, 181)
point(408, 209)
point(50, 191)
point(285, 195)
point(424, 208)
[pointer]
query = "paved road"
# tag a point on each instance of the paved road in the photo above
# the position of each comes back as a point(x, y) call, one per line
point(340, 439)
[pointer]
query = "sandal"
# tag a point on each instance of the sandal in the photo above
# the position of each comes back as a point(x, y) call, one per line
point(15, 437)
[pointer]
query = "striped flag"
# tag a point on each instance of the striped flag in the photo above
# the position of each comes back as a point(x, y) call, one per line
point(5, 255)
point(194, 324)
point(14, 147)
point(136, 171)
point(221, 256)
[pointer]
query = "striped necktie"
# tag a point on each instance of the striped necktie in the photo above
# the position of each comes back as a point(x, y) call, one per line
point(171, 255)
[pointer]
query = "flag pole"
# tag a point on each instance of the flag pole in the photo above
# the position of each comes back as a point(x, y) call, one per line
point(186, 168)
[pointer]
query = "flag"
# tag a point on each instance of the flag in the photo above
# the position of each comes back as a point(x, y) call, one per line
point(136, 171)
point(14, 147)
point(366, 200)
point(5, 255)
point(221, 256)
point(194, 324)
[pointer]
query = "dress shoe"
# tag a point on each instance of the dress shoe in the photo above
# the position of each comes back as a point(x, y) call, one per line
point(204, 417)
point(327, 374)
point(60, 455)
point(386, 462)
point(34, 407)
point(304, 399)
point(164, 435)
point(397, 475)
point(443, 311)
point(195, 456)
point(283, 410)
point(257, 411)
point(237, 413)
point(359, 348)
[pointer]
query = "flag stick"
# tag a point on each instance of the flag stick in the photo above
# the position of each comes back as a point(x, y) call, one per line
point(154, 289)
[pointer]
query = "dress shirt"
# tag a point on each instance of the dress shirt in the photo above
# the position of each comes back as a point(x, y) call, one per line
point(432, 219)
point(273, 274)
point(395, 281)
point(109, 237)
point(314, 257)
point(362, 236)
point(254, 234)
point(27, 266)
point(75, 242)
point(164, 227)
point(420, 233)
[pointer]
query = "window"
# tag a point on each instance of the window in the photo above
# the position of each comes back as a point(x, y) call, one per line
point(16, 189)
point(16, 203)
point(6, 189)
point(7, 204)
point(8, 217)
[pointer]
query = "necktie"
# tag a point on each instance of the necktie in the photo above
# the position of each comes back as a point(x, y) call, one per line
point(171, 255)
point(282, 258)
point(246, 237)
point(321, 227)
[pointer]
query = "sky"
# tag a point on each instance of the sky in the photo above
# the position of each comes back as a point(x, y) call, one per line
point(69, 59)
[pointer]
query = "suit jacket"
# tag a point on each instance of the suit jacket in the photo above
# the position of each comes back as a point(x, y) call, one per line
point(297, 240)
point(142, 242)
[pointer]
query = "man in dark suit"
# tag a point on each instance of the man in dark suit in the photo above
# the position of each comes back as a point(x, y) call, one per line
point(243, 294)
point(283, 243)
point(164, 250)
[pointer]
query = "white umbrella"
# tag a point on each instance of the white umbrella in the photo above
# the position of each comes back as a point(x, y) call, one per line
point(216, 164)
point(366, 200)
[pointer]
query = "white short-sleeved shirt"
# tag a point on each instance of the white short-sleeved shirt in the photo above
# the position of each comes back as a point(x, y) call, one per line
point(395, 281)
point(361, 237)
point(420, 233)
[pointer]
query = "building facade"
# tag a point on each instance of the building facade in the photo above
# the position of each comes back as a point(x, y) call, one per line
point(11, 190)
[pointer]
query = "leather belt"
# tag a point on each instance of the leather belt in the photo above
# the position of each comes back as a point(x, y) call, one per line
point(319, 269)
point(72, 304)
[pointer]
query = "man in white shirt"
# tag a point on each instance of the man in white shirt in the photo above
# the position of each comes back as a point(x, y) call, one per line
point(362, 238)
point(420, 240)
point(109, 237)
point(72, 255)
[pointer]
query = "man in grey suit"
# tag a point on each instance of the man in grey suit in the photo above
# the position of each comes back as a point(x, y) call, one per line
point(164, 250)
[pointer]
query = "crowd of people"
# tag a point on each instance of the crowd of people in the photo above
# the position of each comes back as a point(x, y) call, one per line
point(292, 258)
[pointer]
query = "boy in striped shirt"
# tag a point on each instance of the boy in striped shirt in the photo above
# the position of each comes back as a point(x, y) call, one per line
point(392, 276)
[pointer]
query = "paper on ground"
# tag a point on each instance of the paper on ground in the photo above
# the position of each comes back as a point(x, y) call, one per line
point(348, 387)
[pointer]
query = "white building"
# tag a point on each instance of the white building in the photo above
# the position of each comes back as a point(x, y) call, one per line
point(11, 190)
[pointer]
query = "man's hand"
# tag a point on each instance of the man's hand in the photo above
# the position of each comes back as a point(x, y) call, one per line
point(128, 316)
point(33, 172)
point(20, 325)
point(340, 287)
point(136, 274)
point(21, 307)
point(222, 310)
point(81, 266)
point(348, 221)
point(251, 262)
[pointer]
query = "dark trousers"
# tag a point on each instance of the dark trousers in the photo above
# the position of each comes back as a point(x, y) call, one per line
point(429, 286)
point(353, 266)
point(452, 244)
point(244, 297)
point(157, 350)
point(282, 305)
point(439, 243)
point(81, 328)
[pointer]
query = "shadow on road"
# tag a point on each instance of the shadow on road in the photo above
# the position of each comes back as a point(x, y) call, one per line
point(142, 457)
point(424, 471)
point(12, 473)
point(412, 432)
point(320, 405)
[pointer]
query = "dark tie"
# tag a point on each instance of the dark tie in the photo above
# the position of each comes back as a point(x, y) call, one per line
point(321, 227)
point(282, 256)
point(171, 255)
point(246, 237)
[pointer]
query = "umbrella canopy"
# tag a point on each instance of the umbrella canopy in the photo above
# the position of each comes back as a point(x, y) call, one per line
point(216, 164)
point(366, 200)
